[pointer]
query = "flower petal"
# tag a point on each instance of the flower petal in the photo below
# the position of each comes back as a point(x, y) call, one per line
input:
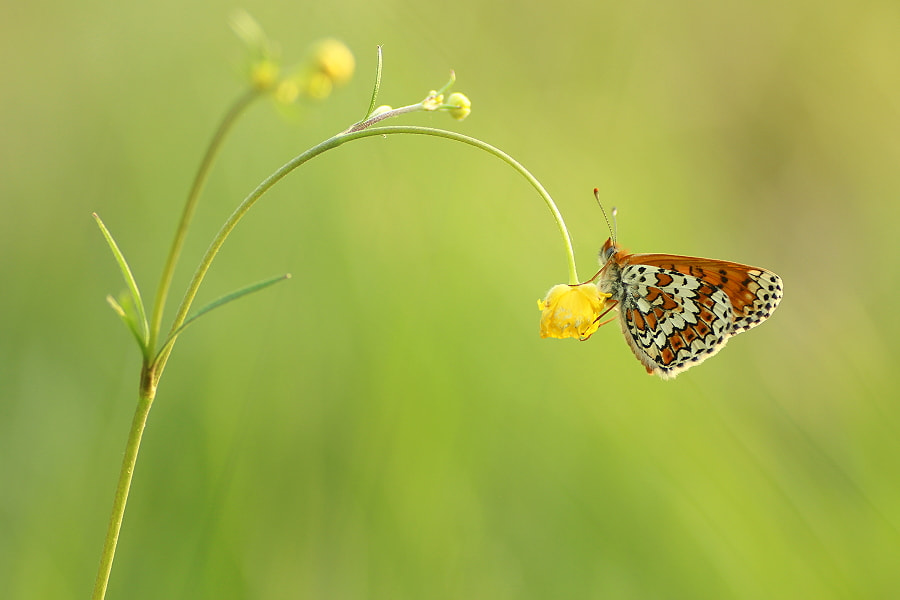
point(572, 311)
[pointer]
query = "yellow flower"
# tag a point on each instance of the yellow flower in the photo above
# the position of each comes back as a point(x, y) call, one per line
point(572, 311)
point(461, 104)
point(334, 60)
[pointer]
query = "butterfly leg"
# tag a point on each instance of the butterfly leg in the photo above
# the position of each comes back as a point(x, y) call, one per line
point(596, 275)
point(612, 305)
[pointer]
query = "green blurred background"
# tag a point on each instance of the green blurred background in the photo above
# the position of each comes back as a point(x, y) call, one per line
point(388, 424)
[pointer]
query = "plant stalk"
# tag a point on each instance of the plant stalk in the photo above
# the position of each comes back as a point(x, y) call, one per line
point(145, 401)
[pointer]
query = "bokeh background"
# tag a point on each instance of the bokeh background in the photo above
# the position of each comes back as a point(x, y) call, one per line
point(388, 424)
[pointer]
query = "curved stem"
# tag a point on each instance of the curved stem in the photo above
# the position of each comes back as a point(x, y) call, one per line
point(334, 142)
point(190, 205)
point(124, 485)
point(551, 205)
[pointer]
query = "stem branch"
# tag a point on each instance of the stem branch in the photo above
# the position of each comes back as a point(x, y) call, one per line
point(190, 205)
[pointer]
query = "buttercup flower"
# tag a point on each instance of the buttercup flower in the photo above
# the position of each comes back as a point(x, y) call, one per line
point(572, 311)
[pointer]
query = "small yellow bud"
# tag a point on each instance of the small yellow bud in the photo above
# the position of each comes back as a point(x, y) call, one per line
point(319, 86)
point(264, 74)
point(433, 101)
point(287, 91)
point(334, 60)
point(461, 104)
point(572, 311)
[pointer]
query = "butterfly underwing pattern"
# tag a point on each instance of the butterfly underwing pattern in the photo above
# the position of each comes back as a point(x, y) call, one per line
point(677, 311)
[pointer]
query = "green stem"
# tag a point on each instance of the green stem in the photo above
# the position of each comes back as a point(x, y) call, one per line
point(334, 142)
point(148, 391)
point(190, 205)
point(394, 112)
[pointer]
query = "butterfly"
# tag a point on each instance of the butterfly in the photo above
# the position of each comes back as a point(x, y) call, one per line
point(677, 311)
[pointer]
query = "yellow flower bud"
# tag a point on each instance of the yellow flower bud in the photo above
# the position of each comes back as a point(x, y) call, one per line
point(264, 74)
point(318, 86)
point(287, 91)
point(334, 60)
point(462, 106)
point(572, 311)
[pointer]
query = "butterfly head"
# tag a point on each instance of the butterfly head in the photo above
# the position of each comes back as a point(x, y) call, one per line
point(609, 249)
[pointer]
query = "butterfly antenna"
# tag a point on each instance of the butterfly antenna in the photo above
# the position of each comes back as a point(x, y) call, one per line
point(615, 211)
point(612, 229)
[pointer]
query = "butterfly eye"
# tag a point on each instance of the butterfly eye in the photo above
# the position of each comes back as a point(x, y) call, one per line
point(606, 253)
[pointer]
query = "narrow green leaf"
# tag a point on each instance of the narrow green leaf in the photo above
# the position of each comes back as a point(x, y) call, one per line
point(255, 287)
point(142, 332)
point(377, 83)
point(449, 84)
point(127, 317)
point(116, 307)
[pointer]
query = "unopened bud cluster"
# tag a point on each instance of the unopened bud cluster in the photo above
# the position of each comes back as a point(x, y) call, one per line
point(330, 65)
point(457, 104)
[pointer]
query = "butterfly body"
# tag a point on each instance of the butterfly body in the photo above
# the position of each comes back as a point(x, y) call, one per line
point(677, 311)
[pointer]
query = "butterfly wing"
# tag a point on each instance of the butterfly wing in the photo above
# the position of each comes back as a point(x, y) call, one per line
point(670, 320)
point(677, 311)
point(754, 292)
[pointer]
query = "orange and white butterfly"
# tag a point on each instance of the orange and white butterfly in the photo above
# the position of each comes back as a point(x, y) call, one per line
point(677, 311)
